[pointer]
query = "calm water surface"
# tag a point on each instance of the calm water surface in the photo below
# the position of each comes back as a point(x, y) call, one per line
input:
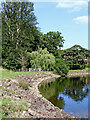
point(69, 94)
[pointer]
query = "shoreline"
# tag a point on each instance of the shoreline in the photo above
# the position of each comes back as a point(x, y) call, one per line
point(39, 107)
point(52, 111)
point(78, 73)
point(37, 93)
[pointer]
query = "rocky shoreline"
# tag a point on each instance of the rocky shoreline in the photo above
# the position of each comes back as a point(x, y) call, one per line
point(39, 107)
point(45, 109)
point(78, 73)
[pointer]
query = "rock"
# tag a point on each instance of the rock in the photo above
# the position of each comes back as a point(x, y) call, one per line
point(23, 114)
point(38, 105)
point(9, 84)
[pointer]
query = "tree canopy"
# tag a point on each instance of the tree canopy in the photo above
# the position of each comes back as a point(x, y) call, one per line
point(42, 59)
point(19, 32)
point(75, 56)
point(53, 41)
point(21, 38)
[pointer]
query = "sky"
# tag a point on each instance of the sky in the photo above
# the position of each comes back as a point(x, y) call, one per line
point(70, 17)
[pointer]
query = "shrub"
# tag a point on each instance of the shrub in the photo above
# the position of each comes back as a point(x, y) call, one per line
point(11, 62)
point(87, 65)
point(24, 85)
point(61, 67)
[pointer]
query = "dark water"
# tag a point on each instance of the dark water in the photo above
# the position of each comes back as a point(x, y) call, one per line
point(69, 94)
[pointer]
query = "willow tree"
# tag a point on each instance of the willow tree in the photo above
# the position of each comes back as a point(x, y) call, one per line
point(42, 59)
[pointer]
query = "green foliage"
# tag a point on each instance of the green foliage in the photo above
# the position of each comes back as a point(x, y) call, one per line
point(11, 62)
point(21, 37)
point(19, 33)
point(52, 41)
point(60, 67)
point(42, 59)
point(9, 106)
point(87, 65)
point(70, 86)
point(75, 57)
point(23, 85)
point(22, 59)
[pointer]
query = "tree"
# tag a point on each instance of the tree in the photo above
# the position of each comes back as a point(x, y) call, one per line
point(53, 41)
point(19, 31)
point(60, 67)
point(19, 19)
point(22, 59)
point(75, 56)
point(41, 59)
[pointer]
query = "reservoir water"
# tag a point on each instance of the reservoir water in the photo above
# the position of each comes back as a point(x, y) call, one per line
point(69, 94)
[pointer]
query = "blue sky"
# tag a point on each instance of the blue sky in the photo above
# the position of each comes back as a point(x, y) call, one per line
point(70, 17)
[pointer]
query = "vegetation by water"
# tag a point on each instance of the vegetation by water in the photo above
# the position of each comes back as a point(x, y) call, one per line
point(24, 46)
point(63, 90)
point(8, 105)
point(13, 102)
point(11, 74)
point(75, 57)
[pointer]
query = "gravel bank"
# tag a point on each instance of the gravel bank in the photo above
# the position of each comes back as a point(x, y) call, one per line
point(39, 107)
point(78, 73)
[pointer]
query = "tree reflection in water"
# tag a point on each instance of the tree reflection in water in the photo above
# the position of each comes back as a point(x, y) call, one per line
point(74, 87)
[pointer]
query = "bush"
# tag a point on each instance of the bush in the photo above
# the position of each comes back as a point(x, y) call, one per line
point(61, 67)
point(24, 85)
point(11, 62)
point(87, 65)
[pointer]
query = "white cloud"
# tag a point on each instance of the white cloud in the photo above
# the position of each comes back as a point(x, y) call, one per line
point(81, 19)
point(75, 5)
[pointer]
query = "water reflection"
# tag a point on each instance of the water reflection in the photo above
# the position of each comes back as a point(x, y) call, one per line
point(70, 94)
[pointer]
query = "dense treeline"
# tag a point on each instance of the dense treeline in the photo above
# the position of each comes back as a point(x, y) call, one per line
point(19, 33)
point(76, 57)
point(24, 46)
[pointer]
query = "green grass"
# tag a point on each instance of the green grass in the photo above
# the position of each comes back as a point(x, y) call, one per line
point(4, 89)
point(24, 85)
point(9, 106)
point(10, 74)
point(74, 70)
point(87, 69)
point(9, 90)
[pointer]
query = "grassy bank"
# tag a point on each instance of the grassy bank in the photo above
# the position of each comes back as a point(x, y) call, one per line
point(11, 74)
point(8, 105)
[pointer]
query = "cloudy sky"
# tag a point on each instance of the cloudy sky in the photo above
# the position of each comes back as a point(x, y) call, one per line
point(70, 17)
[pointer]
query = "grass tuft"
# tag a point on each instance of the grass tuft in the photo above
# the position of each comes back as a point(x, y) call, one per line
point(24, 85)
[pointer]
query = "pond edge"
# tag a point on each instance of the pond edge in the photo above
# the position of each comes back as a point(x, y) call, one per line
point(37, 94)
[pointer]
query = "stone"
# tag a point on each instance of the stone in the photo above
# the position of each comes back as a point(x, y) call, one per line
point(38, 105)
